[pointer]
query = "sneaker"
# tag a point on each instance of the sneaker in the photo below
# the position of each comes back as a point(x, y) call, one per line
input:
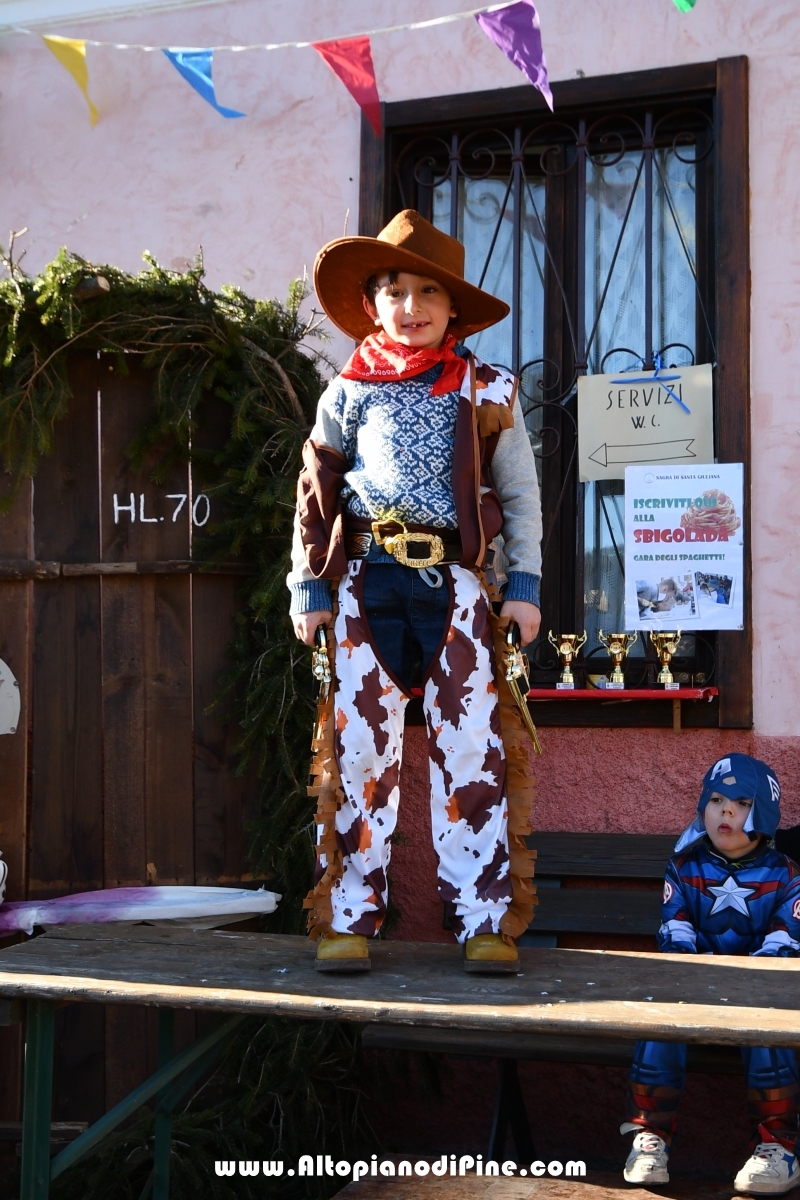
point(770, 1170)
point(647, 1161)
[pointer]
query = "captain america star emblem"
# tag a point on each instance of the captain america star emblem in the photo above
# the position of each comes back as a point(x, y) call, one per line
point(730, 895)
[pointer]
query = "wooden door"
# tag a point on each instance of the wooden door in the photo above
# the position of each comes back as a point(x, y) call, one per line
point(117, 775)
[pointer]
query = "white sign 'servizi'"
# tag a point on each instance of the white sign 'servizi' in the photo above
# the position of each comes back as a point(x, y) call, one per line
point(644, 418)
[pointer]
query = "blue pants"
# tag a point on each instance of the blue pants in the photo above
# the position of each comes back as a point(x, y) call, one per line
point(658, 1076)
point(407, 617)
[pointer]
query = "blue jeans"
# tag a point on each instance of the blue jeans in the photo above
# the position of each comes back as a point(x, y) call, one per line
point(407, 617)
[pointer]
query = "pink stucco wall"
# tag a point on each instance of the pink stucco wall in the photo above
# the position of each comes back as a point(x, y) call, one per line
point(162, 171)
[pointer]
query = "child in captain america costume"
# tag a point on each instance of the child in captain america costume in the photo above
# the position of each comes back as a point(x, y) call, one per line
point(727, 891)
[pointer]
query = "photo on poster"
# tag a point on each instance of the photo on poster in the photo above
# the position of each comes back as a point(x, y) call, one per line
point(659, 593)
point(714, 589)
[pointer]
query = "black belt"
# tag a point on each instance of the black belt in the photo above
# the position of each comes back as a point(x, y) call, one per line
point(411, 548)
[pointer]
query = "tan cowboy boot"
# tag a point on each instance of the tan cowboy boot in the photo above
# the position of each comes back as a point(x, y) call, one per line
point(490, 954)
point(342, 952)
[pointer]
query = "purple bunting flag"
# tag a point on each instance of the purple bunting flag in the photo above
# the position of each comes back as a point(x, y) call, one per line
point(515, 30)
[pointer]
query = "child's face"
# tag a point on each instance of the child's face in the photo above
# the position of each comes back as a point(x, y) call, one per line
point(413, 310)
point(724, 821)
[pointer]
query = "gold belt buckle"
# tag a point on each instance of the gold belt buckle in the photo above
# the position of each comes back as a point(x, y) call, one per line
point(397, 545)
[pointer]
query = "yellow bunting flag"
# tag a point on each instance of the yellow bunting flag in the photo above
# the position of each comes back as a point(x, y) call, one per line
point(71, 53)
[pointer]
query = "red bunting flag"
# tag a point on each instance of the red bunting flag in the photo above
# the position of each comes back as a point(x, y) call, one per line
point(351, 60)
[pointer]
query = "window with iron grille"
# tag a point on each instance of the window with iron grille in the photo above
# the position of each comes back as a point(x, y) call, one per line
point(603, 226)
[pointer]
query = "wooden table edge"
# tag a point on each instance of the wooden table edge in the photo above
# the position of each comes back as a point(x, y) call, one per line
point(608, 1018)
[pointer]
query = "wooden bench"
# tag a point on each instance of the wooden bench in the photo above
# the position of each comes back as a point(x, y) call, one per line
point(583, 917)
point(630, 911)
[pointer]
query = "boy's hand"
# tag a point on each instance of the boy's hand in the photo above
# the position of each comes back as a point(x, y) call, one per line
point(527, 616)
point(306, 624)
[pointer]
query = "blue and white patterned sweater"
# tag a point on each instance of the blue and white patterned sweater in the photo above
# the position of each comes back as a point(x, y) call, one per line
point(399, 440)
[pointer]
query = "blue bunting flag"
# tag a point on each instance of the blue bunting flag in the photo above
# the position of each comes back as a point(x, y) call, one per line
point(195, 67)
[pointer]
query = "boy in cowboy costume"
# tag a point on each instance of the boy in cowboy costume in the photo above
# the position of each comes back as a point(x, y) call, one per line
point(418, 459)
point(727, 891)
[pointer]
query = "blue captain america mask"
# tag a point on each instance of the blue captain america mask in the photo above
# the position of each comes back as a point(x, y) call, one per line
point(739, 777)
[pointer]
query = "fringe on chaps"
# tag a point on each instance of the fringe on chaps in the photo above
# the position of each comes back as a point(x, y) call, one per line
point(481, 786)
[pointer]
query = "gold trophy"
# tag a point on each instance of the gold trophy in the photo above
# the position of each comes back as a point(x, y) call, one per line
point(666, 644)
point(617, 645)
point(567, 645)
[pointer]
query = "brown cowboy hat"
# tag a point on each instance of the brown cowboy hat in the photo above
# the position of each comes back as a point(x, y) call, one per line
point(408, 243)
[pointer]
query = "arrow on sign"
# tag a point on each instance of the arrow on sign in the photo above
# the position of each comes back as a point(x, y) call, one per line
point(644, 452)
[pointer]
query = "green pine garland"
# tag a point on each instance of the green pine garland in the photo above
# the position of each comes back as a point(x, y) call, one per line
point(207, 349)
point(204, 348)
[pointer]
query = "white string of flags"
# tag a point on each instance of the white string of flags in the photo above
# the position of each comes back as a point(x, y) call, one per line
point(426, 24)
point(513, 27)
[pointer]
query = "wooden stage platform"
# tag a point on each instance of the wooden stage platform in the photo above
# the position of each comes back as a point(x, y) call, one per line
point(701, 998)
point(606, 994)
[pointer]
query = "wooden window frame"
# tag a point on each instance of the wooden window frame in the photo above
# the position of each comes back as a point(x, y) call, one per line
point(726, 82)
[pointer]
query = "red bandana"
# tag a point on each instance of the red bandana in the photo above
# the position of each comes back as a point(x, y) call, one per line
point(380, 358)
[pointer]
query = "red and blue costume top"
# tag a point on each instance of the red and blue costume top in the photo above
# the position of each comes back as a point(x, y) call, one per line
point(715, 905)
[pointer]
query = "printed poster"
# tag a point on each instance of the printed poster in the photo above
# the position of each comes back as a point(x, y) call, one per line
point(684, 547)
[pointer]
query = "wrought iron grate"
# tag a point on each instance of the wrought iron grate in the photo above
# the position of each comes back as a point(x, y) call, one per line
point(596, 228)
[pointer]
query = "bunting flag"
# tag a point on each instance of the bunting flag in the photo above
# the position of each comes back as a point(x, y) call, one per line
point(684, 5)
point(515, 30)
point(71, 53)
point(195, 67)
point(351, 60)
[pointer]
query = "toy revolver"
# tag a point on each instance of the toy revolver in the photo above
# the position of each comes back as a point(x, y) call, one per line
point(517, 678)
point(321, 670)
point(321, 663)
